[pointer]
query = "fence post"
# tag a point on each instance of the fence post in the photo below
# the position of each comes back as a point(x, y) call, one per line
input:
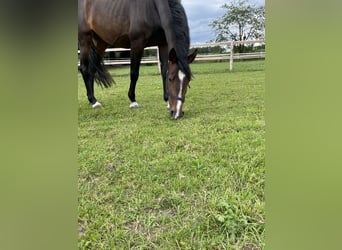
point(231, 56)
point(158, 60)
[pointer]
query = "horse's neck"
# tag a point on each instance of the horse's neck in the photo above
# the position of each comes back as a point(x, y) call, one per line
point(166, 22)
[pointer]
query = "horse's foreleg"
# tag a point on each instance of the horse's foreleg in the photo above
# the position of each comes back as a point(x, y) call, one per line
point(163, 58)
point(136, 54)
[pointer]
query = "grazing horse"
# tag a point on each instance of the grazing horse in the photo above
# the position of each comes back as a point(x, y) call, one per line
point(136, 24)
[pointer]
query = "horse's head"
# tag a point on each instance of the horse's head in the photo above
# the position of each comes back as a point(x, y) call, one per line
point(177, 84)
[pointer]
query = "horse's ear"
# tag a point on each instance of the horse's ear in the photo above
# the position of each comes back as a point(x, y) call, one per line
point(173, 56)
point(192, 56)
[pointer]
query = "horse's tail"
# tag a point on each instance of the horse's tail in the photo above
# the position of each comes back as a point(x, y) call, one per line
point(102, 76)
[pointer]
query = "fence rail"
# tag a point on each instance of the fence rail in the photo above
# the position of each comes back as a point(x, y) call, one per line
point(227, 43)
point(238, 56)
point(208, 57)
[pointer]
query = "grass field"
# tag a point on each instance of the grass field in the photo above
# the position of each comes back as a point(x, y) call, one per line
point(148, 182)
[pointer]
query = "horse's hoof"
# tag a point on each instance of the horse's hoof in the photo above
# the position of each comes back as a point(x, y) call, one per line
point(134, 105)
point(168, 105)
point(97, 105)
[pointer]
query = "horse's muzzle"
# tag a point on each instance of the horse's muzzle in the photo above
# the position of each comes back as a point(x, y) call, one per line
point(174, 115)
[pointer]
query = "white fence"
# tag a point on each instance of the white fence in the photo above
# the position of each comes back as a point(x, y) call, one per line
point(229, 55)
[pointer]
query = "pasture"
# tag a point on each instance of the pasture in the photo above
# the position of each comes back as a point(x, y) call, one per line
point(149, 182)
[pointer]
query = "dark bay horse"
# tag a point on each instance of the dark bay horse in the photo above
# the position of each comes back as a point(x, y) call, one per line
point(136, 24)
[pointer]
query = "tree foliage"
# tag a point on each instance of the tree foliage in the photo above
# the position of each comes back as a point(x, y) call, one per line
point(242, 21)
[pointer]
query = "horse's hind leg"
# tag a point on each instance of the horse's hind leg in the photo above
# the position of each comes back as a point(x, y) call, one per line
point(88, 72)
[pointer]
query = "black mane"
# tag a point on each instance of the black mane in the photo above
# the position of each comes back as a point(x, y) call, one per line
point(181, 29)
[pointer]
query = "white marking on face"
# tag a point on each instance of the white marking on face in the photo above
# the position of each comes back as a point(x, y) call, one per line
point(181, 77)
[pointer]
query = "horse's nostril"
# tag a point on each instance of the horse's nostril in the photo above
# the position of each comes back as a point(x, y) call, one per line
point(173, 114)
point(181, 115)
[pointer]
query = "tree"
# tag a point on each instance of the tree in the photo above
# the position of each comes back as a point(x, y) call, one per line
point(242, 21)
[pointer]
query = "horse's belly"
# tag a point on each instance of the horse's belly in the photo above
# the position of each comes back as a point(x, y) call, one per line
point(121, 42)
point(112, 34)
point(109, 20)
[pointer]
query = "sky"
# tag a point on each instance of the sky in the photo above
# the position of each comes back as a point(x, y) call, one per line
point(200, 13)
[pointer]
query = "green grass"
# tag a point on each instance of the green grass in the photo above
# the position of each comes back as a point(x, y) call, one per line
point(148, 182)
